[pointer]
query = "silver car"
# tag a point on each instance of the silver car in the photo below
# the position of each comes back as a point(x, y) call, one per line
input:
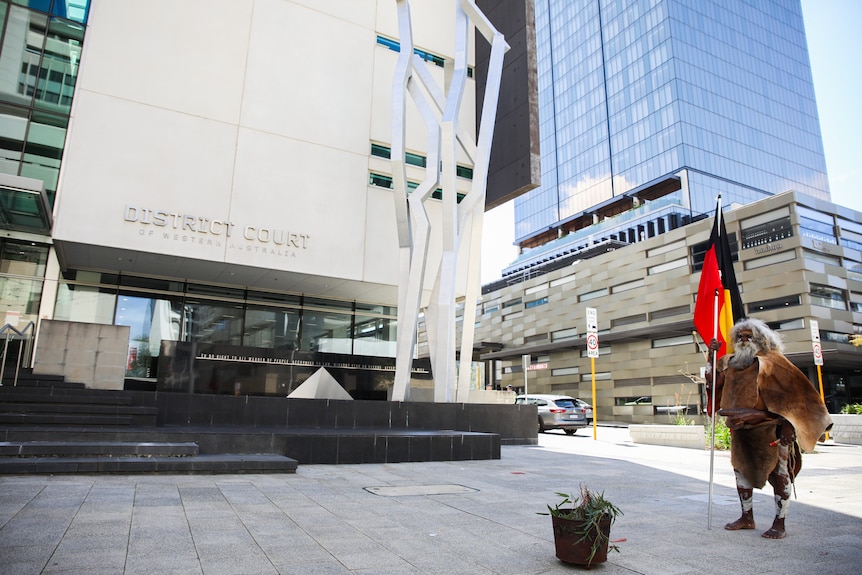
point(557, 412)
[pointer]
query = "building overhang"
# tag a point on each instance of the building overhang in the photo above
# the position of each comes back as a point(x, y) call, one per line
point(24, 205)
point(74, 255)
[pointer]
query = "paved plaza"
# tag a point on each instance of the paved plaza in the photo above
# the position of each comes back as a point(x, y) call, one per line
point(443, 518)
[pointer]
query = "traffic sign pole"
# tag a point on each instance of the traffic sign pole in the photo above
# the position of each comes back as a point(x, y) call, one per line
point(593, 353)
point(818, 360)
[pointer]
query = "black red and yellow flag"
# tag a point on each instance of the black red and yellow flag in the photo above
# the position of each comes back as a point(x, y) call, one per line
point(717, 277)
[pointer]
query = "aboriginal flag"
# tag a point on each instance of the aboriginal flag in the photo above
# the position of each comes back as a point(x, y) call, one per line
point(717, 275)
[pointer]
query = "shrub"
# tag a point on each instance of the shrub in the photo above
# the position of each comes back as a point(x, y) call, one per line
point(852, 409)
point(722, 434)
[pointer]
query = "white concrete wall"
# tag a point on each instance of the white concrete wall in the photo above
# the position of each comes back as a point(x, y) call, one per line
point(88, 353)
point(244, 115)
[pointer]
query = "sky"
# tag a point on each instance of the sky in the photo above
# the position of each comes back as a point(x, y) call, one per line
point(834, 31)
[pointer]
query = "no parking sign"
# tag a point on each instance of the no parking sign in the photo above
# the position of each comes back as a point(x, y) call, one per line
point(815, 342)
point(592, 332)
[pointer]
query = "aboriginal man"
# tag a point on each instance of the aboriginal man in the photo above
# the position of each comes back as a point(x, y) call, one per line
point(772, 410)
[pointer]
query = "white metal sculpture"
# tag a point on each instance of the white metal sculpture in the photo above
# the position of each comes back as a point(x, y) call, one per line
point(440, 108)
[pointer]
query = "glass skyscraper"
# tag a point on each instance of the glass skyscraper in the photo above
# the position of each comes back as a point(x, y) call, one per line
point(650, 106)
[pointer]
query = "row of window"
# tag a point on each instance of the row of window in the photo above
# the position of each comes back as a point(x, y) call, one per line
point(440, 61)
point(419, 160)
point(565, 371)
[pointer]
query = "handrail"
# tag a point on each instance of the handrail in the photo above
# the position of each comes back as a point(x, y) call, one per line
point(5, 330)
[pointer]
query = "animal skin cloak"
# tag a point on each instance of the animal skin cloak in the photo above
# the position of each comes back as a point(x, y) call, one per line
point(775, 385)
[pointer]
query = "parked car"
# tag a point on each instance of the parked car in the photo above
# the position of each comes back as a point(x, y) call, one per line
point(587, 406)
point(557, 412)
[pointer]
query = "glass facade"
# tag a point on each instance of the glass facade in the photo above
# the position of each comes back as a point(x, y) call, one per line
point(158, 310)
point(633, 92)
point(40, 49)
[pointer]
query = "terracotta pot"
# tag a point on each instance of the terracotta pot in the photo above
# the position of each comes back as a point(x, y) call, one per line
point(574, 546)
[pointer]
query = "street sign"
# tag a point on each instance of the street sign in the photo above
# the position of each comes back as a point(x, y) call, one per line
point(592, 345)
point(815, 330)
point(592, 320)
point(537, 366)
point(815, 342)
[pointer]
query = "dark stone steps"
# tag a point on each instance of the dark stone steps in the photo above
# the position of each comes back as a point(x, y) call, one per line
point(11, 395)
point(305, 445)
point(198, 464)
point(97, 448)
point(82, 420)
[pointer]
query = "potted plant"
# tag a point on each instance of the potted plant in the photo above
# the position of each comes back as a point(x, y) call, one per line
point(582, 526)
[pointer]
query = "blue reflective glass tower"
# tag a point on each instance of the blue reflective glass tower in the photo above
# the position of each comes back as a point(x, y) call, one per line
point(667, 103)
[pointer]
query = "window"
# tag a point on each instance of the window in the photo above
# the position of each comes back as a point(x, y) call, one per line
point(414, 159)
point(643, 400)
point(787, 324)
point(381, 151)
point(560, 371)
point(600, 376)
point(210, 321)
point(827, 296)
point(563, 280)
point(395, 46)
point(834, 336)
point(564, 334)
point(776, 303)
point(769, 260)
point(816, 225)
point(536, 302)
point(766, 233)
point(698, 252)
point(150, 321)
point(593, 294)
point(667, 266)
point(380, 181)
point(822, 258)
point(670, 312)
point(851, 240)
point(628, 320)
point(628, 286)
point(536, 338)
point(671, 341)
point(374, 336)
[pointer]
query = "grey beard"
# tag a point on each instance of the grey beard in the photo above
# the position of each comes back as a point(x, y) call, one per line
point(743, 355)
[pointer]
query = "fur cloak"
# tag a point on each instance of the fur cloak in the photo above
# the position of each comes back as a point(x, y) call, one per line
point(775, 385)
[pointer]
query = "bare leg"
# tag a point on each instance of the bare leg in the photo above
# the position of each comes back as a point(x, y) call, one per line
point(780, 481)
point(746, 500)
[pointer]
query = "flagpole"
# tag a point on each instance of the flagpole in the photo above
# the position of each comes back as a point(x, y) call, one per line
point(713, 373)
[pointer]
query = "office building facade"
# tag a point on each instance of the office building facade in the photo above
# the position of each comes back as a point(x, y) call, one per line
point(227, 190)
point(648, 110)
point(797, 259)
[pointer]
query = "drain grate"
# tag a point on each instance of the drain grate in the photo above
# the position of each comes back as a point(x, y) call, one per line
point(412, 490)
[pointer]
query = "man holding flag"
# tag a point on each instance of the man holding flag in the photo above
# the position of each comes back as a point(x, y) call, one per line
point(766, 399)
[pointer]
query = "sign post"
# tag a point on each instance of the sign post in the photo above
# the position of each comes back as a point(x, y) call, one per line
point(525, 363)
point(818, 359)
point(593, 353)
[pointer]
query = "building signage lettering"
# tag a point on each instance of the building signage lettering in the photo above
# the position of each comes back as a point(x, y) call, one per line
point(768, 249)
point(300, 362)
point(212, 231)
